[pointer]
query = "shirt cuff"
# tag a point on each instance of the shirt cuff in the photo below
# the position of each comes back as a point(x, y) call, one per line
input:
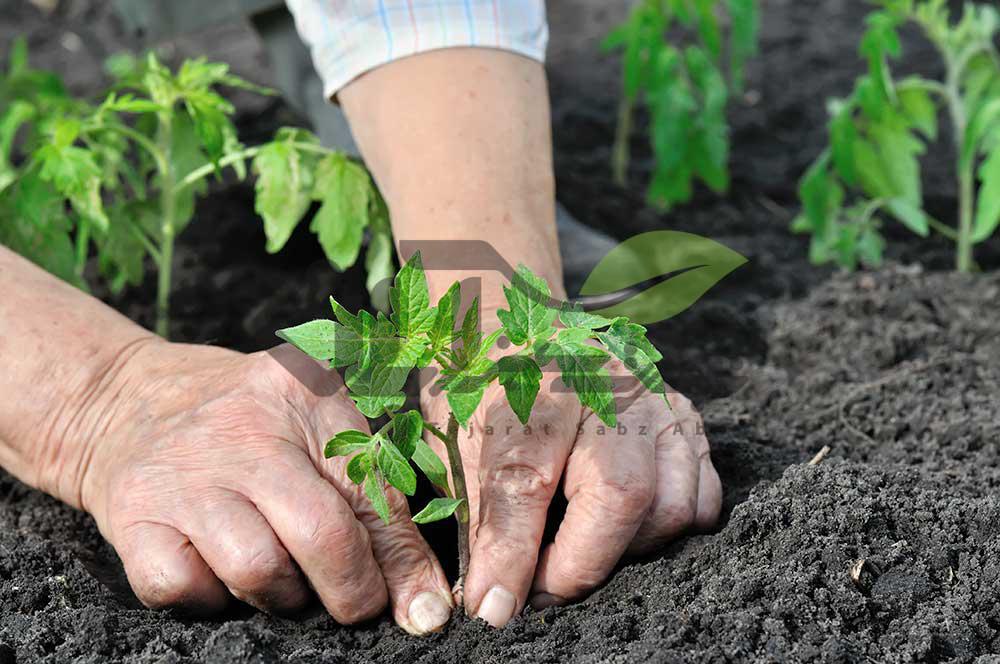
point(348, 39)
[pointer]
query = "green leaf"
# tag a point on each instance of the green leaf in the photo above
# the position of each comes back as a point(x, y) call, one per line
point(283, 192)
point(470, 334)
point(375, 491)
point(75, 174)
point(745, 26)
point(627, 341)
point(520, 377)
point(411, 310)
point(912, 217)
point(988, 204)
point(438, 510)
point(359, 466)
point(697, 264)
point(325, 340)
point(407, 429)
point(396, 468)
point(442, 332)
point(843, 136)
point(573, 315)
point(209, 111)
point(431, 465)
point(344, 187)
point(530, 316)
point(347, 443)
point(918, 107)
point(466, 391)
point(583, 371)
point(379, 260)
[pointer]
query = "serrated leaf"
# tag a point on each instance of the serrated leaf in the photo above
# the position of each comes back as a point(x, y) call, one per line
point(407, 429)
point(442, 332)
point(396, 469)
point(325, 340)
point(988, 204)
point(697, 264)
point(912, 217)
point(843, 136)
point(918, 107)
point(359, 466)
point(521, 378)
point(379, 259)
point(283, 189)
point(344, 187)
point(430, 465)
point(438, 510)
point(411, 310)
point(530, 315)
point(573, 315)
point(465, 392)
point(627, 341)
point(582, 367)
point(347, 443)
point(375, 491)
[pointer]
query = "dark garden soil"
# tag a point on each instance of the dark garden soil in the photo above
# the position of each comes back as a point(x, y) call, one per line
point(896, 370)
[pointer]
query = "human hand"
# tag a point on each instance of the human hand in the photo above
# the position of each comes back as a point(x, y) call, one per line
point(630, 489)
point(208, 478)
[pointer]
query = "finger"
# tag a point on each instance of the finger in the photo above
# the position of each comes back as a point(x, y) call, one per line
point(688, 422)
point(318, 528)
point(241, 548)
point(610, 484)
point(676, 503)
point(709, 496)
point(165, 570)
point(520, 469)
point(419, 593)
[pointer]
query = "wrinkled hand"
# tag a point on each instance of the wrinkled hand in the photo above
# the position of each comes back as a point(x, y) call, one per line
point(210, 481)
point(629, 489)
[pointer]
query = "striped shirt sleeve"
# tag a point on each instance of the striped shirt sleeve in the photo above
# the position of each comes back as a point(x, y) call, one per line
point(349, 37)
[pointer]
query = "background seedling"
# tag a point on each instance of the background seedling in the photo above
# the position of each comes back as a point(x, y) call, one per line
point(377, 354)
point(131, 167)
point(684, 88)
point(871, 171)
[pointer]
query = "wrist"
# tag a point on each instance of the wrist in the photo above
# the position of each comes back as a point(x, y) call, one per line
point(68, 459)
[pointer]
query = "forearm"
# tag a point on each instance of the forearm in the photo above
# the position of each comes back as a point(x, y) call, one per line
point(61, 352)
point(459, 142)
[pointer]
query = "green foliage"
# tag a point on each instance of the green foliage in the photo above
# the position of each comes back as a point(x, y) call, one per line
point(870, 174)
point(379, 352)
point(684, 88)
point(122, 176)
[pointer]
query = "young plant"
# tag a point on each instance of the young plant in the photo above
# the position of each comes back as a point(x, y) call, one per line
point(132, 167)
point(684, 89)
point(871, 171)
point(378, 353)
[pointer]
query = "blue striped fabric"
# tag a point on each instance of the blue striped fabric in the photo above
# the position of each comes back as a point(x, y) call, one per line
point(350, 37)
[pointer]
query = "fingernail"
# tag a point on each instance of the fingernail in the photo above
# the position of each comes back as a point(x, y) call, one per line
point(497, 607)
point(428, 612)
point(545, 600)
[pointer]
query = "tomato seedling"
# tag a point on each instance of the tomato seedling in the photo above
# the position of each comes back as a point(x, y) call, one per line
point(377, 354)
point(871, 170)
point(132, 167)
point(683, 87)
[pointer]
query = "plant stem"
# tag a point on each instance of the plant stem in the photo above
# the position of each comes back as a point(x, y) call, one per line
point(966, 182)
point(168, 211)
point(462, 513)
point(229, 159)
point(620, 150)
point(82, 242)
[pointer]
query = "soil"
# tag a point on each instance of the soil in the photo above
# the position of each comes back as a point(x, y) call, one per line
point(894, 369)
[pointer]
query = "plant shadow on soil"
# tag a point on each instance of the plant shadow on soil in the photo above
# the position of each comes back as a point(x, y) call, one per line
point(895, 369)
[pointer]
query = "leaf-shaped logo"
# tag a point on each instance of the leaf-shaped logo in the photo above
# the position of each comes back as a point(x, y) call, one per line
point(682, 267)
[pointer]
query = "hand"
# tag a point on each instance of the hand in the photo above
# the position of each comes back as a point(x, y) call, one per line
point(630, 490)
point(209, 480)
